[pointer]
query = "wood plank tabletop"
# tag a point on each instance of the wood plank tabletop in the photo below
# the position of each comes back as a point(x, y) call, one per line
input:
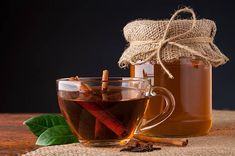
point(15, 138)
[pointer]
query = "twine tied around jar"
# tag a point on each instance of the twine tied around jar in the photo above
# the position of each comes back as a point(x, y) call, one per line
point(137, 53)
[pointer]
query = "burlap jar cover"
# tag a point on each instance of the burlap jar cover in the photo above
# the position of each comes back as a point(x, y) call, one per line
point(168, 40)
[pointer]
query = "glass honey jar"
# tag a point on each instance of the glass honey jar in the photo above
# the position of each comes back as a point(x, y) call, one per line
point(177, 54)
point(192, 90)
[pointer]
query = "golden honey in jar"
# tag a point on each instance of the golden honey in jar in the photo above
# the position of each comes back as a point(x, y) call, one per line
point(192, 90)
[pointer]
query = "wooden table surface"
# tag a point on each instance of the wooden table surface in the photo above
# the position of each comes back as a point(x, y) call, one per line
point(15, 138)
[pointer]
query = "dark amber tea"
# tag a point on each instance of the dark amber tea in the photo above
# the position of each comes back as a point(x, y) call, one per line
point(94, 118)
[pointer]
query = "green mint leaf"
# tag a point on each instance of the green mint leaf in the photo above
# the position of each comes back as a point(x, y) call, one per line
point(41, 123)
point(55, 136)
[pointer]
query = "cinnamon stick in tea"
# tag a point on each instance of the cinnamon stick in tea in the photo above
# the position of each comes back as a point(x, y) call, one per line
point(175, 142)
point(104, 117)
point(105, 78)
point(99, 127)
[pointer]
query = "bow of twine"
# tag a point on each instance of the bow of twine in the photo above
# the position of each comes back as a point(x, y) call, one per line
point(175, 41)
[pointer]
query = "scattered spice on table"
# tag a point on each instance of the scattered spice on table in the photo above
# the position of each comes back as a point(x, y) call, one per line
point(140, 147)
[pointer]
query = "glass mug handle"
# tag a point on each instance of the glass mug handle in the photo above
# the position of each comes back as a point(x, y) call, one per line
point(165, 114)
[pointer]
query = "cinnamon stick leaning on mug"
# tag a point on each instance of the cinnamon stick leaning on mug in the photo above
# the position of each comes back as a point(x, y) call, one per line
point(175, 142)
point(83, 86)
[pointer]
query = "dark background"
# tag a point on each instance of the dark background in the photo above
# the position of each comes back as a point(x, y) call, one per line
point(47, 40)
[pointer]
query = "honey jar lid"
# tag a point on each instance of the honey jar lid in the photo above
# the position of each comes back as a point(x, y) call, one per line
point(159, 41)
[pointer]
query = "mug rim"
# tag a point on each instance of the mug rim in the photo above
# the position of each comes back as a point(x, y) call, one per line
point(111, 79)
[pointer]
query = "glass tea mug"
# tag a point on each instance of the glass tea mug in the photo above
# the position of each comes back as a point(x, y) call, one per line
point(100, 118)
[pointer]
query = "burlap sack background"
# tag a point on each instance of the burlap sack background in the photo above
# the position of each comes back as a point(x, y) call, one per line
point(219, 142)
